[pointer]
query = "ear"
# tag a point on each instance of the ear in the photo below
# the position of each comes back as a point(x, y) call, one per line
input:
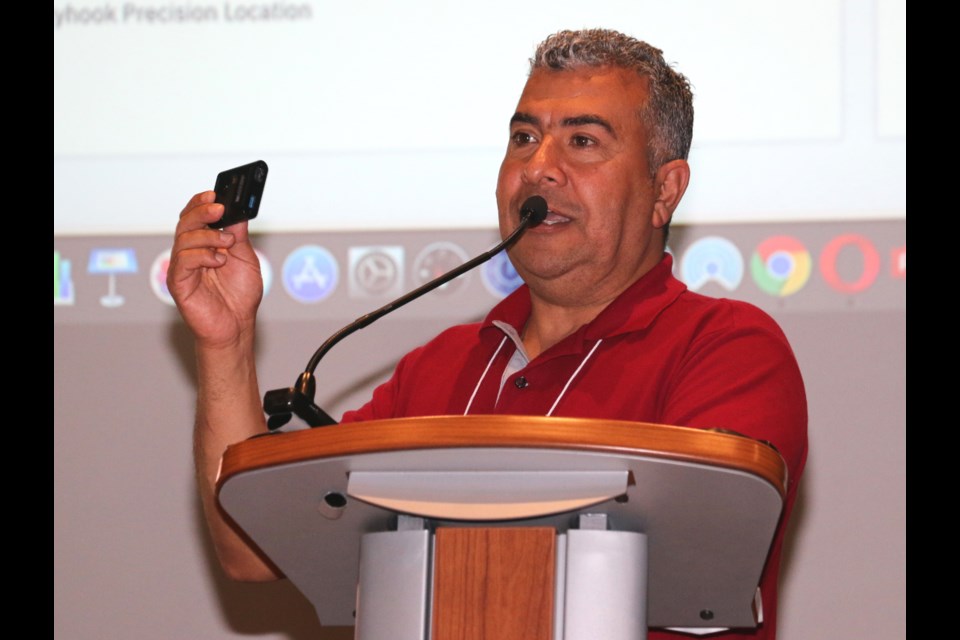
point(671, 183)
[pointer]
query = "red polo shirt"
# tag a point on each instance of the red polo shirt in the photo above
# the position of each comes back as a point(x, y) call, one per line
point(658, 353)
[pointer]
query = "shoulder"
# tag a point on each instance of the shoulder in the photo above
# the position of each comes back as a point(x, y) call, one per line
point(723, 314)
point(659, 308)
point(697, 320)
point(452, 340)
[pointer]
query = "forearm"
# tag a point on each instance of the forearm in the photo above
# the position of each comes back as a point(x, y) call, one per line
point(228, 411)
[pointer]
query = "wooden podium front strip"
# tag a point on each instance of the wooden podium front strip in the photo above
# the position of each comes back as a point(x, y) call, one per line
point(572, 434)
point(494, 583)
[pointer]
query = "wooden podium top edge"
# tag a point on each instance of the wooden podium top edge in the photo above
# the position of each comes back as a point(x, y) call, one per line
point(518, 432)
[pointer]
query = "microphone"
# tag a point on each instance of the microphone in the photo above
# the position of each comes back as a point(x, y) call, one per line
point(533, 209)
point(281, 405)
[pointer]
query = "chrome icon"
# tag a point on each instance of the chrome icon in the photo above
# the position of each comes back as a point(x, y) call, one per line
point(781, 265)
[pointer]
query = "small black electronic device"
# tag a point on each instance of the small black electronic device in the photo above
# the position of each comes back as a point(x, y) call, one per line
point(240, 191)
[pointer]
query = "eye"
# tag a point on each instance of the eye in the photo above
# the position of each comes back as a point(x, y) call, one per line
point(521, 138)
point(582, 141)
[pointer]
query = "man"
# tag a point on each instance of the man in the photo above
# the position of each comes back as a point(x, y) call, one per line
point(601, 329)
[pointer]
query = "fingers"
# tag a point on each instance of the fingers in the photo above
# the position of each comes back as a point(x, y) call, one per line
point(202, 248)
point(197, 246)
point(193, 229)
point(199, 212)
point(189, 264)
point(204, 197)
point(205, 238)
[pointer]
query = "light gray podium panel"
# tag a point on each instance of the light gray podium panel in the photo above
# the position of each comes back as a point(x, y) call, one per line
point(704, 524)
point(394, 590)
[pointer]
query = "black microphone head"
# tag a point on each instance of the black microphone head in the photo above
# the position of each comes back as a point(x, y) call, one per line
point(534, 208)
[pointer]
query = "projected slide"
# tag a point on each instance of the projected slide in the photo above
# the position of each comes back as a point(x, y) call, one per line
point(394, 115)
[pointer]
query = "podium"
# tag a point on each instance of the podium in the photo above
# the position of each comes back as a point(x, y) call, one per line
point(554, 527)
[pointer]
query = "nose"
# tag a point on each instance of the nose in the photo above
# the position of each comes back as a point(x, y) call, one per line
point(545, 164)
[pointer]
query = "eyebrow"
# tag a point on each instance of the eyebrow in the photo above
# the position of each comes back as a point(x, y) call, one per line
point(525, 118)
point(579, 121)
point(574, 121)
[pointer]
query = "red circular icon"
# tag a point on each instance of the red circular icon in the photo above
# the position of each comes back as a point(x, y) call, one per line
point(868, 273)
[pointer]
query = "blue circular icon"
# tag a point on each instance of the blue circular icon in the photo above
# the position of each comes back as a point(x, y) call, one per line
point(712, 259)
point(310, 274)
point(499, 276)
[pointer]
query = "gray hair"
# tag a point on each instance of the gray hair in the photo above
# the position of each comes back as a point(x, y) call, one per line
point(668, 113)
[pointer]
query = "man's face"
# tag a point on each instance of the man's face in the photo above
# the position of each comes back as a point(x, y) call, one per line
point(578, 141)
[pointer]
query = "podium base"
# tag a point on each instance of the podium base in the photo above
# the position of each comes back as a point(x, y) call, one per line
point(497, 583)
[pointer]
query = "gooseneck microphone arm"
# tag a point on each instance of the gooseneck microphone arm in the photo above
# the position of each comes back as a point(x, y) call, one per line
point(282, 404)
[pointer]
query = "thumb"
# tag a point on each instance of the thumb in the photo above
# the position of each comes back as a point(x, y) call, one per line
point(239, 231)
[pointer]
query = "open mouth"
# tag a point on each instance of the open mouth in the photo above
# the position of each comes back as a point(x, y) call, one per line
point(554, 218)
